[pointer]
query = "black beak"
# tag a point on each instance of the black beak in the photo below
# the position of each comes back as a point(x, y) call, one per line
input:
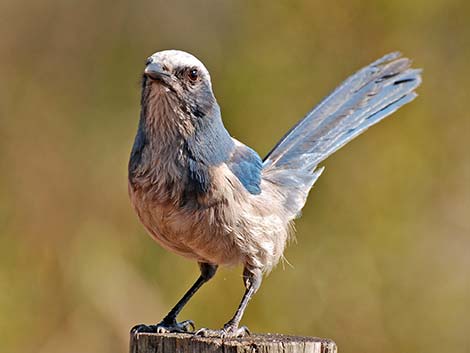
point(156, 72)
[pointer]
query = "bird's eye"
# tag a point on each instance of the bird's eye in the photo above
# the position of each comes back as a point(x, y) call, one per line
point(148, 61)
point(193, 74)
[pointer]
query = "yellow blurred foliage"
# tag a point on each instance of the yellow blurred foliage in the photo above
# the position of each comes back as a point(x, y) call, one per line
point(382, 257)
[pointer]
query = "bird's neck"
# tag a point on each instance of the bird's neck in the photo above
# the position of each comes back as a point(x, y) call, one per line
point(174, 147)
point(210, 143)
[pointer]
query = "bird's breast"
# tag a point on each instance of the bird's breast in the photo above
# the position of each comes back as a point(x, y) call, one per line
point(194, 224)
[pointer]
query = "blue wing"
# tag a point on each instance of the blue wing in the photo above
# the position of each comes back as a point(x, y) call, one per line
point(246, 164)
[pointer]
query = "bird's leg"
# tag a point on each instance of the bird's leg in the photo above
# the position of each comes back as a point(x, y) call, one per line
point(252, 279)
point(169, 323)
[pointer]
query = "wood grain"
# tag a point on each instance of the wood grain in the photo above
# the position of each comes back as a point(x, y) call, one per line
point(264, 343)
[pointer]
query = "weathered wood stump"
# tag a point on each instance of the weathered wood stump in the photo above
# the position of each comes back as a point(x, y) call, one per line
point(265, 343)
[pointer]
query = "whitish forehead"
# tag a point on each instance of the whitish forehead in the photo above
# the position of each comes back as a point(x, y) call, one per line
point(177, 58)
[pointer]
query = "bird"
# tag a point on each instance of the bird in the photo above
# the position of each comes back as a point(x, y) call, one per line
point(206, 196)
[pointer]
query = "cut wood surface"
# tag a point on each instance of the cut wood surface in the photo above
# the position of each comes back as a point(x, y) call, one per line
point(263, 343)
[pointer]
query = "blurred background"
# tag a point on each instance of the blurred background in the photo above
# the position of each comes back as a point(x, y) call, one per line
point(382, 257)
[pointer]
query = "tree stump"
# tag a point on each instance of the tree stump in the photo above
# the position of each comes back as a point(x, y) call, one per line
point(264, 343)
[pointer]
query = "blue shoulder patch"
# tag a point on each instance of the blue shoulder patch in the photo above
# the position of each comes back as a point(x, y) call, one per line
point(246, 165)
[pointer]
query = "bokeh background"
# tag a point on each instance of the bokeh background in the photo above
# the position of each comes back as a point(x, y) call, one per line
point(383, 253)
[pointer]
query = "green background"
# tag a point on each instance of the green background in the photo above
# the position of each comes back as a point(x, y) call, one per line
point(381, 262)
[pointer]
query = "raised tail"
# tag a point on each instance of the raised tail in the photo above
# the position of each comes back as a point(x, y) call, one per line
point(361, 101)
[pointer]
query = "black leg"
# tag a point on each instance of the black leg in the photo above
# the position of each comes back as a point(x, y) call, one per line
point(169, 323)
point(252, 279)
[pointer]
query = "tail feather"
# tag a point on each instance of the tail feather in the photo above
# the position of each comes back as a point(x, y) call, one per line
point(364, 99)
point(361, 101)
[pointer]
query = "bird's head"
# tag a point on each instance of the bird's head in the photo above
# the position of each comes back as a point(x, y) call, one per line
point(179, 78)
point(180, 114)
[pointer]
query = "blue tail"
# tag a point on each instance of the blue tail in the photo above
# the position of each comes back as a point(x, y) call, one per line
point(364, 99)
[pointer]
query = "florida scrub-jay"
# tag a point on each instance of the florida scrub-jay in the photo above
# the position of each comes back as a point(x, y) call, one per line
point(206, 196)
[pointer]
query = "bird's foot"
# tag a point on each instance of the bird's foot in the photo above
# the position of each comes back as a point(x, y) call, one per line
point(229, 331)
point(186, 326)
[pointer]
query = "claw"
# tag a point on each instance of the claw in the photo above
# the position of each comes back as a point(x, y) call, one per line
point(162, 329)
point(243, 331)
point(188, 325)
point(205, 332)
point(226, 332)
point(143, 328)
point(165, 327)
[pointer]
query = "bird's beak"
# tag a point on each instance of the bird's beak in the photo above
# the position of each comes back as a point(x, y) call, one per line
point(156, 72)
